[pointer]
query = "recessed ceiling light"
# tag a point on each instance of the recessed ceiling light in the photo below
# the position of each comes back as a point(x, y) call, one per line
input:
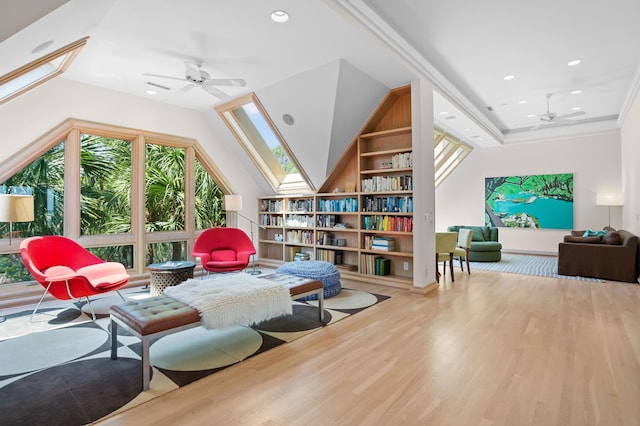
point(151, 92)
point(42, 46)
point(576, 109)
point(467, 129)
point(576, 92)
point(444, 113)
point(509, 77)
point(279, 16)
point(522, 102)
point(574, 62)
point(288, 119)
point(531, 115)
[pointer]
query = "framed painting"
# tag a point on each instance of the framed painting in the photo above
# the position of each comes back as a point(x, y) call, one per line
point(536, 201)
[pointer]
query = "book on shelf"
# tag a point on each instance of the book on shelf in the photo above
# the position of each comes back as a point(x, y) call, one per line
point(383, 266)
point(301, 256)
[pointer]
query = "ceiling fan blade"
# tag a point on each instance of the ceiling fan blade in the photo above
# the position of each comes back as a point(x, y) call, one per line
point(571, 115)
point(164, 76)
point(233, 82)
point(215, 92)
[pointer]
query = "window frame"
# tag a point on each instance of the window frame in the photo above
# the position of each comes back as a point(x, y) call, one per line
point(256, 147)
point(67, 53)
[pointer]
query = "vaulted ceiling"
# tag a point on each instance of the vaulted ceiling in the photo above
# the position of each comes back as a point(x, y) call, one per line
point(465, 47)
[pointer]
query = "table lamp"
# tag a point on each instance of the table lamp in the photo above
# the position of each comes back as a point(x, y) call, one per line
point(15, 208)
point(609, 199)
point(233, 203)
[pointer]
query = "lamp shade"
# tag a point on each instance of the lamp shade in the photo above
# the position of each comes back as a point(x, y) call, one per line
point(16, 208)
point(232, 202)
point(609, 199)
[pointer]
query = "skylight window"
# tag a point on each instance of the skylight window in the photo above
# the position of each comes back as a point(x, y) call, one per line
point(37, 72)
point(448, 153)
point(253, 128)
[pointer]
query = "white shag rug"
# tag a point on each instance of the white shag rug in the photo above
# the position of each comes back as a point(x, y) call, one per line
point(233, 300)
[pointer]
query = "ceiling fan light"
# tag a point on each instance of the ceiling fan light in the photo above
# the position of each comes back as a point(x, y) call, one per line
point(279, 16)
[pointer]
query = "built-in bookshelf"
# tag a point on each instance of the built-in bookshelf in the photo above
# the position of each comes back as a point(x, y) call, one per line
point(362, 217)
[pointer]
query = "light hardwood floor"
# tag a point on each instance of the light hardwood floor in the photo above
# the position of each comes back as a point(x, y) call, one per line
point(488, 349)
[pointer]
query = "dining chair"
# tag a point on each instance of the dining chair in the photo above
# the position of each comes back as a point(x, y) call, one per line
point(445, 247)
point(462, 247)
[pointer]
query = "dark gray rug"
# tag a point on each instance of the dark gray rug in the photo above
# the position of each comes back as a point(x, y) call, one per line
point(63, 374)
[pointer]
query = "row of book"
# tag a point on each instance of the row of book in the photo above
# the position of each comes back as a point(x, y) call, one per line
point(305, 205)
point(402, 161)
point(372, 264)
point(387, 183)
point(271, 206)
point(327, 220)
point(388, 223)
point(299, 221)
point(373, 242)
point(332, 256)
point(388, 204)
point(271, 220)
point(296, 236)
point(349, 204)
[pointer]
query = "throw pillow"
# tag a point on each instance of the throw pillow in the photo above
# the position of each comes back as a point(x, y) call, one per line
point(592, 233)
point(477, 234)
point(612, 238)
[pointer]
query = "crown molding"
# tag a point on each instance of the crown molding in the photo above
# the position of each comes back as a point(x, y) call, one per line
point(631, 97)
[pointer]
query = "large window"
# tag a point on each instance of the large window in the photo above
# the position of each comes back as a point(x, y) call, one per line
point(128, 196)
point(256, 132)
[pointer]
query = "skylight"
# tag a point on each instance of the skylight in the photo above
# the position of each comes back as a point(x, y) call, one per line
point(259, 137)
point(37, 72)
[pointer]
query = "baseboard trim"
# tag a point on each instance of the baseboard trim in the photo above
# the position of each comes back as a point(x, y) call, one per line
point(531, 252)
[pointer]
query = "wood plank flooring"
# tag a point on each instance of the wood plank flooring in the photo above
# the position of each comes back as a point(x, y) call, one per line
point(487, 349)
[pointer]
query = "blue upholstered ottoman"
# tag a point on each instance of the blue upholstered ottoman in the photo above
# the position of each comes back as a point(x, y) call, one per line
point(322, 271)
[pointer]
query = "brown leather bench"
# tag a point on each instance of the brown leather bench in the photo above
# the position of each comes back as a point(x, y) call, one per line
point(158, 316)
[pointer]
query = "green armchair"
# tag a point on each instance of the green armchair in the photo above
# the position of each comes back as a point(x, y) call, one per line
point(485, 246)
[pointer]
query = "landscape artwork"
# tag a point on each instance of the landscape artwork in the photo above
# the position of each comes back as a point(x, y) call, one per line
point(537, 201)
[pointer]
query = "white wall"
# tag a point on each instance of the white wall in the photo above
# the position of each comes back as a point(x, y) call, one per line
point(594, 160)
point(630, 136)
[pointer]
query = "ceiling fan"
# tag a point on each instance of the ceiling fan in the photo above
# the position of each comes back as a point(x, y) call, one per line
point(196, 76)
point(549, 117)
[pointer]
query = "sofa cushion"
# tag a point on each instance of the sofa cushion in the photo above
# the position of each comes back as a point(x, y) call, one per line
point(612, 238)
point(587, 240)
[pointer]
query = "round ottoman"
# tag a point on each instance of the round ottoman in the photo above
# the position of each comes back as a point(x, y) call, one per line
point(320, 270)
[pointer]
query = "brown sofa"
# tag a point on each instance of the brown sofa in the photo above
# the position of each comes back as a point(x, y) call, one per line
point(614, 256)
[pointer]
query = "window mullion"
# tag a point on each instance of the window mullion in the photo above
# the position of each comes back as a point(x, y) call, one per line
point(72, 185)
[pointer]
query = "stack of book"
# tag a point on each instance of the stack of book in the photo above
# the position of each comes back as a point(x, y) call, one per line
point(301, 256)
point(383, 243)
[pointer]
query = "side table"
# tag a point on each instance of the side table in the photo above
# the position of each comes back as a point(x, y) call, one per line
point(163, 275)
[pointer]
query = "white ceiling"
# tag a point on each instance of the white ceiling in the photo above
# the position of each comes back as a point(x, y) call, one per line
point(466, 47)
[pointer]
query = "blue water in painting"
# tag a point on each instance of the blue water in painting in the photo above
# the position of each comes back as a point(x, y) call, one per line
point(551, 213)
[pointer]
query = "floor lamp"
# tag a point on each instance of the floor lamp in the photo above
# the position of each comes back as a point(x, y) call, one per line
point(609, 199)
point(233, 203)
point(15, 208)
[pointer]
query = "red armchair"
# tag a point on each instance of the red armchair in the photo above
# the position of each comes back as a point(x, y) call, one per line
point(223, 249)
point(68, 271)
